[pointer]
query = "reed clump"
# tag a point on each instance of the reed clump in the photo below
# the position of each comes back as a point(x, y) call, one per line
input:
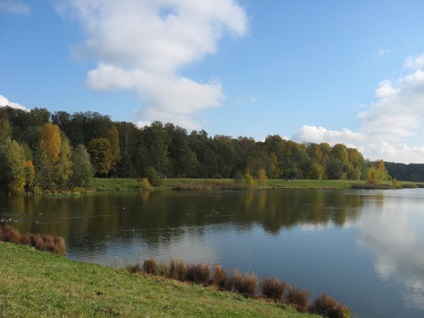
point(220, 277)
point(42, 242)
point(326, 306)
point(298, 298)
point(177, 269)
point(150, 266)
point(272, 288)
point(245, 283)
point(10, 234)
point(198, 273)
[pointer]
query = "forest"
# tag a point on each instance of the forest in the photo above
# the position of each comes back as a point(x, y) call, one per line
point(45, 151)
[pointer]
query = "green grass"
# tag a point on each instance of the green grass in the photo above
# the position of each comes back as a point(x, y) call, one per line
point(39, 284)
point(203, 184)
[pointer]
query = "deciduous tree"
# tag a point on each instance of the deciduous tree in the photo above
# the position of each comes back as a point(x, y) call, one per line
point(101, 155)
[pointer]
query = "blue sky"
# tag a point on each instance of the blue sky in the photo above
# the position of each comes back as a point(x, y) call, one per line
point(312, 71)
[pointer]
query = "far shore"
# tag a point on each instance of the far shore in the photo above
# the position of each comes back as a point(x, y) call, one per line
point(105, 184)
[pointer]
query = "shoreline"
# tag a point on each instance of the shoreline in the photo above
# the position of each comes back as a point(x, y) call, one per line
point(37, 284)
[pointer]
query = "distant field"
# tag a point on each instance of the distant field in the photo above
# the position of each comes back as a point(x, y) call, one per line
point(133, 184)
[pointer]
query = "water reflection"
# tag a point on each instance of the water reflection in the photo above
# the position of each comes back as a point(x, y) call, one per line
point(162, 219)
point(393, 231)
point(362, 247)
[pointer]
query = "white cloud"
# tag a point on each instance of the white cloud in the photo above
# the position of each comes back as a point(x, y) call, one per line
point(388, 126)
point(321, 134)
point(143, 45)
point(5, 102)
point(396, 252)
point(415, 62)
point(14, 6)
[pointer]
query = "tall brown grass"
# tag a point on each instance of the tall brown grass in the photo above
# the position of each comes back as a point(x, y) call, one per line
point(298, 298)
point(136, 268)
point(163, 269)
point(245, 283)
point(219, 278)
point(198, 273)
point(42, 242)
point(272, 288)
point(177, 269)
point(326, 306)
point(150, 266)
point(10, 234)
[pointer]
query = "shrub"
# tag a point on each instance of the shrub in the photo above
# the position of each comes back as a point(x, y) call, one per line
point(9, 234)
point(150, 266)
point(198, 273)
point(219, 278)
point(153, 176)
point(326, 306)
point(272, 288)
point(298, 298)
point(248, 179)
point(145, 184)
point(177, 269)
point(245, 284)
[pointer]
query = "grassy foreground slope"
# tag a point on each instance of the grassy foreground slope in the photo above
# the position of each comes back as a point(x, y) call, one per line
point(39, 284)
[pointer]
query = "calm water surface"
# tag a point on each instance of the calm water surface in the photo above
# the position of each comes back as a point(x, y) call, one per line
point(364, 248)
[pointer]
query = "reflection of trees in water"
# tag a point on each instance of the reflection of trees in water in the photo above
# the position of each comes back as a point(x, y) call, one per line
point(165, 218)
point(276, 210)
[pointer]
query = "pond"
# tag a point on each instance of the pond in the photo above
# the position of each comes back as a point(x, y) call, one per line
point(363, 247)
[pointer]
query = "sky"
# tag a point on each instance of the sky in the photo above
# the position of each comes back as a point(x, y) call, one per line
point(331, 71)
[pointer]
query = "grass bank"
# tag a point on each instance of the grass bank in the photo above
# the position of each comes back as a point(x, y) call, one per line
point(201, 184)
point(40, 284)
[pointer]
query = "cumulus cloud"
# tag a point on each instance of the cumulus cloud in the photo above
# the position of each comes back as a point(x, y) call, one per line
point(389, 125)
point(5, 102)
point(321, 134)
point(396, 252)
point(15, 7)
point(144, 45)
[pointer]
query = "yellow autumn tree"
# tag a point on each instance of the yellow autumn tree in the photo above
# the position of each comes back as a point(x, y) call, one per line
point(377, 173)
point(50, 141)
point(53, 158)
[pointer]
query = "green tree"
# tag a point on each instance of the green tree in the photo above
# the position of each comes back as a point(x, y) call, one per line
point(113, 137)
point(12, 173)
point(153, 176)
point(5, 127)
point(248, 178)
point(63, 166)
point(377, 173)
point(82, 170)
point(262, 176)
point(101, 155)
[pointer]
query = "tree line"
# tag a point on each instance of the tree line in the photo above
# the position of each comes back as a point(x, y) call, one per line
point(40, 149)
point(406, 172)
